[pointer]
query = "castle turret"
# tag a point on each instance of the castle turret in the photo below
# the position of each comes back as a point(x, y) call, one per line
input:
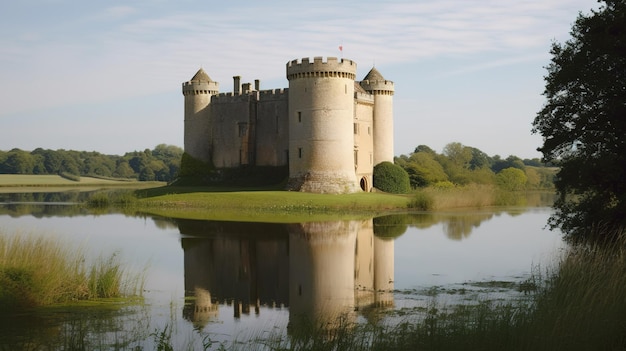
point(321, 111)
point(198, 92)
point(382, 89)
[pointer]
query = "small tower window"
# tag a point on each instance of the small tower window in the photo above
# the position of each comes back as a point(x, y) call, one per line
point(299, 116)
point(243, 129)
point(299, 152)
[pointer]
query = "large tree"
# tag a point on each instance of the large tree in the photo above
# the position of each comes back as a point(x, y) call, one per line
point(583, 124)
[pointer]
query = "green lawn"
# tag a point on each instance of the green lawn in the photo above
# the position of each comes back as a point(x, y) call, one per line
point(269, 206)
point(26, 180)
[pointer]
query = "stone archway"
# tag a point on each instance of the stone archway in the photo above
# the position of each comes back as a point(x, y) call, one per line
point(363, 183)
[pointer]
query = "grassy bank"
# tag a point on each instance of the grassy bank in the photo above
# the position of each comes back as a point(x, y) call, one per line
point(39, 271)
point(271, 205)
point(28, 182)
point(264, 206)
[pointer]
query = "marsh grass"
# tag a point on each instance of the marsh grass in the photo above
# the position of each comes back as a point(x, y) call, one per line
point(38, 271)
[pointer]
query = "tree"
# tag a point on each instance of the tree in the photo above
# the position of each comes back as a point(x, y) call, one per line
point(511, 179)
point(583, 124)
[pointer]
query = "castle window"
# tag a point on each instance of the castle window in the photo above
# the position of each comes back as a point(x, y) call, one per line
point(299, 152)
point(371, 158)
point(356, 158)
point(299, 116)
point(356, 128)
point(243, 129)
point(369, 130)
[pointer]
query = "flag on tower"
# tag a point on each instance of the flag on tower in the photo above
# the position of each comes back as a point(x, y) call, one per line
point(341, 48)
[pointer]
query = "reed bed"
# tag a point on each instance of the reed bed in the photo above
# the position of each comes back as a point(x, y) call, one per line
point(39, 271)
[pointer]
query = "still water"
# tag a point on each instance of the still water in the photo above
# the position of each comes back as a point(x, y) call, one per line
point(210, 282)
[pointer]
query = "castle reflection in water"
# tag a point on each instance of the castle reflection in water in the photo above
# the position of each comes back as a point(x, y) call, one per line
point(319, 270)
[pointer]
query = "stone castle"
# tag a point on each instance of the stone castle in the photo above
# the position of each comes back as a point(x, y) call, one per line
point(327, 128)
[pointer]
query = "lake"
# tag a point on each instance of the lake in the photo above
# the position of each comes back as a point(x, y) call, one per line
point(210, 283)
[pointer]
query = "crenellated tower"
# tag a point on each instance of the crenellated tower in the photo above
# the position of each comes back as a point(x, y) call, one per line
point(382, 90)
point(198, 133)
point(321, 114)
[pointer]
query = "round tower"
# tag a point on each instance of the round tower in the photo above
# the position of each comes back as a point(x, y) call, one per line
point(321, 132)
point(382, 89)
point(198, 92)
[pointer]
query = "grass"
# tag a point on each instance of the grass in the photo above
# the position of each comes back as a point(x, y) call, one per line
point(36, 271)
point(267, 206)
point(8, 182)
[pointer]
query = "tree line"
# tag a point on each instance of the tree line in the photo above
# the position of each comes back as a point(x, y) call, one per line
point(161, 163)
point(461, 165)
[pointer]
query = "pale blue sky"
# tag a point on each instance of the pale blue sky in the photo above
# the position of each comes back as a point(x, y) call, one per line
point(106, 75)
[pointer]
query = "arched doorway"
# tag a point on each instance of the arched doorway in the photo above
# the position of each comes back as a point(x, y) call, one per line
point(363, 184)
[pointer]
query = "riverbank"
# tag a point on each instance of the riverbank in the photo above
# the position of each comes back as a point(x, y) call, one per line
point(271, 205)
point(11, 183)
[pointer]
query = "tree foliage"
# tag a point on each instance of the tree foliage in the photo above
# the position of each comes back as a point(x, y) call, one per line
point(460, 165)
point(583, 122)
point(162, 163)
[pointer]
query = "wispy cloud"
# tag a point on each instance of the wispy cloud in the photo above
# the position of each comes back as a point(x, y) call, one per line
point(143, 52)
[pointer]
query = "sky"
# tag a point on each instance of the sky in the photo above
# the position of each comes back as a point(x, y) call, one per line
point(106, 75)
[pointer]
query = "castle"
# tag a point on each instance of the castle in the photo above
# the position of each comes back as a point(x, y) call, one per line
point(327, 128)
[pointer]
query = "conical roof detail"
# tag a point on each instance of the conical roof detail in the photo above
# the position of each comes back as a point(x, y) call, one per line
point(201, 76)
point(374, 75)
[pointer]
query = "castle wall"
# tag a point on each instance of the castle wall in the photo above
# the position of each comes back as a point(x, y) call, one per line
point(321, 113)
point(364, 140)
point(272, 128)
point(232, 130)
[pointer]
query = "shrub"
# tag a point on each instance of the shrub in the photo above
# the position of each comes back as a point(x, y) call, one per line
point(391, 178)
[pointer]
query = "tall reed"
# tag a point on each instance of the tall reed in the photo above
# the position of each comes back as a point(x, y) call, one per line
point(37, 271)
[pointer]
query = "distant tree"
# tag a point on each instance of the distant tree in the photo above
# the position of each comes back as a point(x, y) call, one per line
point(424, 170)
point(534, 162)
point(458, 154)
point(479, 159)
point(511, 179)
point(123, 170)
point(424, 148)
point(19, 162)
point(583, 124)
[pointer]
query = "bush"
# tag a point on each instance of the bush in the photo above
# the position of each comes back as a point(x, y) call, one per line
point(391, 178)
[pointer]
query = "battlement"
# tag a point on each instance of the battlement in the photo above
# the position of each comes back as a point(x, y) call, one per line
point(230, 97)
point(379, 87)
point(332, 67)
point(200, 87)
point(366, 98)
point(273, 94)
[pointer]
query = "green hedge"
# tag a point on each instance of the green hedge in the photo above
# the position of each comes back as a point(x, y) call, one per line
point(391, 178)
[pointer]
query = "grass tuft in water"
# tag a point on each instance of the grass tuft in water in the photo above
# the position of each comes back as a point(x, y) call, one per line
point(37, 271)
